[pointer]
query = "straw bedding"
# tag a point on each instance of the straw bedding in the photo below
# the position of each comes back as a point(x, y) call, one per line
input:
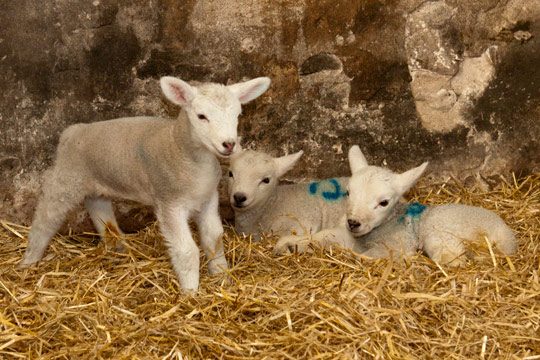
point(86, 301)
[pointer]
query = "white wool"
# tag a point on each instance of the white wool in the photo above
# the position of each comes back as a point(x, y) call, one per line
point(303, 208)
point(377, 223)
point(169, 164)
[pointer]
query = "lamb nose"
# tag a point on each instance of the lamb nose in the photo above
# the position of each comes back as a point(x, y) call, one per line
point(353, 224)
point(239, 198)
point(229, 146)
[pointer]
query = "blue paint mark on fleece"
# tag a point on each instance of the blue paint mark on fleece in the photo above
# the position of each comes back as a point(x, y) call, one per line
point(327, 195)
point(414, 211)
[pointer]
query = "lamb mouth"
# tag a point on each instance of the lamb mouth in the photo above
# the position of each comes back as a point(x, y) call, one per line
point(239, 207)
point(357, 233)
point(225, 155)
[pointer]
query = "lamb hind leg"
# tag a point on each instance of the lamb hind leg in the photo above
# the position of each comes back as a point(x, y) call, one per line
point(102, 215)
point(183, 251)
point(57, 199)
point(444, 248)
point(337, 236)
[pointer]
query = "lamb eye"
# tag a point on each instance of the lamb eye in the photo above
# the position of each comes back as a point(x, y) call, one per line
point(230, 174)
point(347, 193)
point(384, 203)
point(202, 117)
point(266, 180)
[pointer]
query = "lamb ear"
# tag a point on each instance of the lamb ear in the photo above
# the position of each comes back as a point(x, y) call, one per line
point(408, 178)
point(286, 163)
point(249, 90)
point(177, 91)
point(357, 160)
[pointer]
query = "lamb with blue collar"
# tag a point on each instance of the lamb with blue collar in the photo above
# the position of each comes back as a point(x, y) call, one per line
point(377, 222)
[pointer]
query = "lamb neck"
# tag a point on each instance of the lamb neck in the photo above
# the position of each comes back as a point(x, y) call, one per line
point(248, 221)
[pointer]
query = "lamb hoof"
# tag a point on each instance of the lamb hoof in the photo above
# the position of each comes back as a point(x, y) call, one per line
point(222, 278)
point(26, 264)
point(116, 245)
point(450, 259)
point(283, 247)
point(121, 248)
point(290, 244)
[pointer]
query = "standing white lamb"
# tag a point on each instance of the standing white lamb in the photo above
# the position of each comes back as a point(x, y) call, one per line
point(167, 163)
point(260, 204)
point(377, 222)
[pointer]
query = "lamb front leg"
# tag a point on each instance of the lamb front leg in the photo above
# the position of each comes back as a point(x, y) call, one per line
point(211, 235)
point(327, 237)
point(291, 243)
point(184, 253)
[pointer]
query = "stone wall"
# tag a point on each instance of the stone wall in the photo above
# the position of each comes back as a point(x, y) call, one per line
point(452, 82)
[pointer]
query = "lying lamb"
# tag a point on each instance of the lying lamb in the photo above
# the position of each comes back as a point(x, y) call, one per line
point(260, 204)
point(169, 164)
point(377, 222)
